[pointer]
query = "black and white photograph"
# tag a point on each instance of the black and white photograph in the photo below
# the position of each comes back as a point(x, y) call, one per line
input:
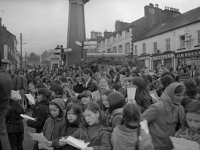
point(99, 75)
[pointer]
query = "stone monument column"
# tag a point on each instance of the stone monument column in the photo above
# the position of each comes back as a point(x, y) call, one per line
point(76, 31)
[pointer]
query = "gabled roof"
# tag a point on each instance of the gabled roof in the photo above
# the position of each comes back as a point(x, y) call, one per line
point(175, 22)
point(122, 29)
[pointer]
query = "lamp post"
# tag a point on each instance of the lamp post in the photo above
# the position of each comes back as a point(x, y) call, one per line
point(21, 57)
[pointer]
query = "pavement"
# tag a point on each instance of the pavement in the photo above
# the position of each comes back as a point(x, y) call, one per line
point(28, 142)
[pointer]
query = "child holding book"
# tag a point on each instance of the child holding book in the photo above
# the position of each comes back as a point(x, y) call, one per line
point(73, 119)
point(55, 125)
point(92, 129)
point(192, 128)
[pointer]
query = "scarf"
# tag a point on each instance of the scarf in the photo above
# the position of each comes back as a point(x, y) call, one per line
point(171, 105)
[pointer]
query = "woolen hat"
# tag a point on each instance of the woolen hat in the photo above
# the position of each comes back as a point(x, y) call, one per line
point(59, 102)
point(44, 91)
point(85, 94)
point(116, 100)
point(56, 87)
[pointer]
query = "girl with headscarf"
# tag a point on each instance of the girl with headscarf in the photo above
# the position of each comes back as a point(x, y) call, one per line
point(165, 116)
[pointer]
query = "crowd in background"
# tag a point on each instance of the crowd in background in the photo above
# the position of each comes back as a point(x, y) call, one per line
point(66, 105)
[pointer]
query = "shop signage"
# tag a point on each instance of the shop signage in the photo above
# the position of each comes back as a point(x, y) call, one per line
point(188, 54)
point(163, 56)
point(143, 57)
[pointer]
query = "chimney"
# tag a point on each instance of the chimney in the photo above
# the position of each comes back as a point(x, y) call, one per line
point(149, 9)
point(156, 5)
point(106, 33)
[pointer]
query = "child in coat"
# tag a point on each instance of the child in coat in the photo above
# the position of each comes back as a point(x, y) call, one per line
point(192, 128)
point(92, 130)
point(40, 112)
point(114, 103)
point(129, 135)
point(14, 123)
point(164, 116)
point(73, 119)
point(55, 125)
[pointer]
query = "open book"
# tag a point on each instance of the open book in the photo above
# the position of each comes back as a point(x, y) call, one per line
point(183, 144)
point(27, 117)
point(30, 98)
point(76, 142)
point(42, 141)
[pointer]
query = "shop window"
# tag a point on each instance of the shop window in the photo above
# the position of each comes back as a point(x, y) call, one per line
point(127, 47)
point(114, 49)
point(120, 49)
point(155, 47)
point(135, 47)
point(167, 44)
point(198, 37)
point(144, 48)
point(182, 41)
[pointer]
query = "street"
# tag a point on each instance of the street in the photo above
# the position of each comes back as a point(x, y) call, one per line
point(28, 142)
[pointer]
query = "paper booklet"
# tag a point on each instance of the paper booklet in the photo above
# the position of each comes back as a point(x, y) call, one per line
point(30, 98)
point(96, 95)
point(144, 126)
point(39, 137)
point(76, 142)
point(154, 95)
point(27, 117)
point(183, 144)
point(131, 91)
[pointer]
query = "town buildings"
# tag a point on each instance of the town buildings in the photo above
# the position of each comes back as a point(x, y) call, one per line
point(160, 37)
point(8, 47)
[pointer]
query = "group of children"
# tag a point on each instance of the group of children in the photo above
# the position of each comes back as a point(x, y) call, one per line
point(110, 123)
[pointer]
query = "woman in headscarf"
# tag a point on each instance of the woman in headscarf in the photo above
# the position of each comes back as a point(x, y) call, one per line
point(166, 116)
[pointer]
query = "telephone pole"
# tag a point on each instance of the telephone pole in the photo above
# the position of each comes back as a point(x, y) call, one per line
point(21, 59)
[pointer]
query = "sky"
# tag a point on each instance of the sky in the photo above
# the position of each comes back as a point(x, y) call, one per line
point(43, 23)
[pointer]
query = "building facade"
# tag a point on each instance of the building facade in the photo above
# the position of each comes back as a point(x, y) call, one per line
point(164, 37)
point(8, 47)
point(172, 43)
point(114, 45)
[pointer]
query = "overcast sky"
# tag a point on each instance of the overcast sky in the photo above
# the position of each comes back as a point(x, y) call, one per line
point(43, 23)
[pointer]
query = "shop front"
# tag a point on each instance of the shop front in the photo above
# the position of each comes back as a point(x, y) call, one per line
point(166, 59)
point(191, 57)
point(143, 61)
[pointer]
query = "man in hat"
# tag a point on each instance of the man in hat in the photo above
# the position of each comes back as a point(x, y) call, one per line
point(5, 90)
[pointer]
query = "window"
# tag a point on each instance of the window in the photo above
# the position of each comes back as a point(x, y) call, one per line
point(135, 49)
point(108, 41)
point(127, 47)
point(198, 37)
point(144, 48)
point(167, 44)
point(120, 49)
point(155, 47)
point(114, 49)
point(114, 38)
point(127, 33)
point(182, 41)
point(120, 36)
point(108, 50)
point(5, 48)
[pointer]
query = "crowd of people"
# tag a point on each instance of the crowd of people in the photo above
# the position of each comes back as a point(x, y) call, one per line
point(90, 103)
